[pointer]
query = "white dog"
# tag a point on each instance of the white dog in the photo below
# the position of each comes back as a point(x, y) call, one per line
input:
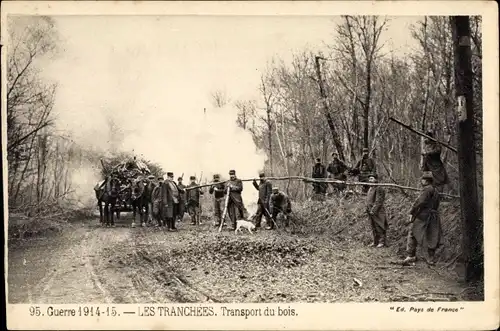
point(244, 224)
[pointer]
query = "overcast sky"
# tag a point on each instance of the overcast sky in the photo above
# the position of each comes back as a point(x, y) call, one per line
point(154, 75)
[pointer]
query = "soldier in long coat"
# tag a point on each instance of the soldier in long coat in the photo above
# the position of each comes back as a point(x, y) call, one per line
point(337, 169)
point(182, 200)
point(425, 230)
point(157, 209)
point(280, 204)
point(170, 197)
point(319, 172)
point(150, 186)
point(219, 192)
point(364, 168)
point(265, 189)
point(193, 201)
point(432, 162)
point(376, 213)
point(235, 208)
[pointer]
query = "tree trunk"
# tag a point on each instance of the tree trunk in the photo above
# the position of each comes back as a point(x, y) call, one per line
point(329, 119)
point(472, 251)
point(366, 105)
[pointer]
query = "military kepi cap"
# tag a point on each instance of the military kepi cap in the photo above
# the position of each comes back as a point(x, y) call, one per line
point(180, 178)
point(160, 178)
point(262, 174)
point(216, 176)
point(427, 175)
point(232, 172)
point(170, 174)
point(365, 150)
point(192, 177)
point(275, 188)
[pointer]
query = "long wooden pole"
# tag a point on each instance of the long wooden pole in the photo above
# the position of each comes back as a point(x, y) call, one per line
point(325, 180)
point(472, 230)
point(406, 126)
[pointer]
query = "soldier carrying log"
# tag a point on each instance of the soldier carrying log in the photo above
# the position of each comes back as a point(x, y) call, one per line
point(235, 207)
point(182, 199)
point(193, 201)
point(218, 191)
point(170, 197)
point(337, 169)
point(265, 190)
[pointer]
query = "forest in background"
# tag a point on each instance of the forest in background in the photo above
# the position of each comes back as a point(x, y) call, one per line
point(364, 83)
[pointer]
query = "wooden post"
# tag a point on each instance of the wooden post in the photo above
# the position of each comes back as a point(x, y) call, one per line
point(472, 230)
point(329, 119)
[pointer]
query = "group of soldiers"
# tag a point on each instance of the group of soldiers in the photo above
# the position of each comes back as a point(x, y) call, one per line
point(171, 200)
point(425, 230)
point(337, 169)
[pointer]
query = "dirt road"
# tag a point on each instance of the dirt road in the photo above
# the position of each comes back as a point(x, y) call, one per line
point(89, 264)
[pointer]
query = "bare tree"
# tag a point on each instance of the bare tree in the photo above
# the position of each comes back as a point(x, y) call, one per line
point(219, 98)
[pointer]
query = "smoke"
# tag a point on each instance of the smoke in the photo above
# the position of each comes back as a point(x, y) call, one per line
point(118, 93)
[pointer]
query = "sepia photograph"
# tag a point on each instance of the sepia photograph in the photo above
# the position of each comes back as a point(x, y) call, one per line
point(245, 159)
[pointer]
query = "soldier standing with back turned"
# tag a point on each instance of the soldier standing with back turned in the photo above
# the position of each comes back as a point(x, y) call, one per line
point(265, 189)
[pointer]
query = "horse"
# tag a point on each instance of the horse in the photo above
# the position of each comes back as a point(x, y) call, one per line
point(107, 192)
point(139, 199)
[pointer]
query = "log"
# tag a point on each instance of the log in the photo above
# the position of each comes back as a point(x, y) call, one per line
point(325, 180)
point(423, 134)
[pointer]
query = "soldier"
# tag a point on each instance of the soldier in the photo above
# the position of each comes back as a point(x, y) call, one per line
point(182, 199)
point(318, 172)
point(432, 162)
point(426, 228)
point(149, 189)
point(157, 203)
point(193, 201)
point(219, 193)
point(265, 190)
point(235, 207)
point(364, 168)
point(337, 168)
point(376, 213)
point(279, 205)
point(170, 198)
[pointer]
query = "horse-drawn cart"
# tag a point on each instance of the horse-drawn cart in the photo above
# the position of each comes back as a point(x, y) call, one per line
point(122, 190)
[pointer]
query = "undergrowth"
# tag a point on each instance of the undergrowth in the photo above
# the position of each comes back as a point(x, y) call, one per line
point(346, 220)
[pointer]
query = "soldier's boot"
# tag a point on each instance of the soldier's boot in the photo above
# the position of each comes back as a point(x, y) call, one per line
point(381, 242)
point(431, 260)
point(409, 260)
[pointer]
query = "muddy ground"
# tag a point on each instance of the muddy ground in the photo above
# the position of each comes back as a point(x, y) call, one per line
point(86, 263)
